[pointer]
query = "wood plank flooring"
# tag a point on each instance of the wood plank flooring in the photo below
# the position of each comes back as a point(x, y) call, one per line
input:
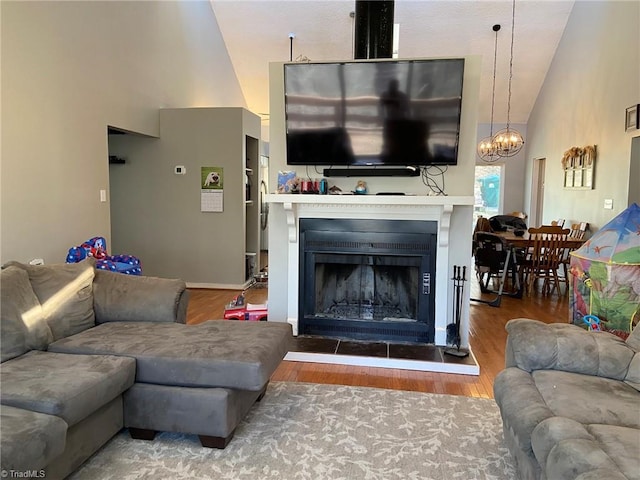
point(487, 340)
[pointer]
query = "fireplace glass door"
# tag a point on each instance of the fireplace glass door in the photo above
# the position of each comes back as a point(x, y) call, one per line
point(370, 280)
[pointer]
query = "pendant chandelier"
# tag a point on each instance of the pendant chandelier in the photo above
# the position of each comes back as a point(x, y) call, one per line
point(509, 141)
point(487, 149)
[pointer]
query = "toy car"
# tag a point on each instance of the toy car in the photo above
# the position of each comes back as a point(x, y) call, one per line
point(238, 309)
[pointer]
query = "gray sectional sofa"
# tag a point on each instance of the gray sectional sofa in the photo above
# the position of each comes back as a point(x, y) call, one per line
point(86, 352)
point(570, 402)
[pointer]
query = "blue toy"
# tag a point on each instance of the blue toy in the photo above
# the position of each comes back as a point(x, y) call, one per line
point(96, 247)
point(593, 323)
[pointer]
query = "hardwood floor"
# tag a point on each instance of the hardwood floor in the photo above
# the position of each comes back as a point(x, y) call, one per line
point(487, 340)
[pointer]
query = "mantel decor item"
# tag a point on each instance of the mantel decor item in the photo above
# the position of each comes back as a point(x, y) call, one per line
point(632, 118)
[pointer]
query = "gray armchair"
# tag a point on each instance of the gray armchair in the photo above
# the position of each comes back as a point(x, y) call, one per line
point(570, 402)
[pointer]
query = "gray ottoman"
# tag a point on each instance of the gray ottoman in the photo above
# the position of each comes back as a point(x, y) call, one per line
point(198, 379)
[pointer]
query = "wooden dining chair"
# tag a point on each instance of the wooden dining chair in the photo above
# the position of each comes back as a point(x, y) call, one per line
point(547, 248)
point(578, 230)
point(559, 222)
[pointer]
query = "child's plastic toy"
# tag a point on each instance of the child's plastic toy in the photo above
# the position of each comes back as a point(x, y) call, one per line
point(238, 309)
point(96, 247)
point(592, 322)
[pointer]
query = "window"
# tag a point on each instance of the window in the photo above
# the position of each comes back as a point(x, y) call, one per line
point(487, 191)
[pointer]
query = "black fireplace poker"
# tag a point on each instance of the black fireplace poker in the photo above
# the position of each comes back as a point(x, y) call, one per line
point(453, 329)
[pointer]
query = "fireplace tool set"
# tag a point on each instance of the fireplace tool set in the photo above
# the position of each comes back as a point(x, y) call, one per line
point(453, 329)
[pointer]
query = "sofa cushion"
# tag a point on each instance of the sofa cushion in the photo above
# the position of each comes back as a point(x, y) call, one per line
point(29, 440)
point(65, 293)
point(586, 452)
point(589, 399)
point(633, 374)
point(622, 445)
point(22, 322)
point(219, 353)
point(68, 386)
point(534, 345)
point(553, 430)
point(125, 298)
point(633, 340)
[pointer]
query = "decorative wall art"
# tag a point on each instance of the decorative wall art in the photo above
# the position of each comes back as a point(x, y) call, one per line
point(632, 118)
point(578, 164)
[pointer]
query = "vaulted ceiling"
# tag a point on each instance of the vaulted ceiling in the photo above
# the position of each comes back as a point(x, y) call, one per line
point(256, 32)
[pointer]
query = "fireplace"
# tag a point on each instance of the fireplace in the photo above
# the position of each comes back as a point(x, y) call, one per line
point(452, 214)
point(367, 279)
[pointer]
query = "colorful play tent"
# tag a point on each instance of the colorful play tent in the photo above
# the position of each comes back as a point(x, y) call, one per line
point(606, 275)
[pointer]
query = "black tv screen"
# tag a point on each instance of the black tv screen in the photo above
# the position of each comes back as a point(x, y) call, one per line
point(382, 112)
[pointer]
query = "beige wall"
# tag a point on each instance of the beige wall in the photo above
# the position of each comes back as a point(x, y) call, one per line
point(594, 76)
point(69, 69)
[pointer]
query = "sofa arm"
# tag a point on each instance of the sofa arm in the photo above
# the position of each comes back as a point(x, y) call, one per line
point(534, 345)
point(121, 298)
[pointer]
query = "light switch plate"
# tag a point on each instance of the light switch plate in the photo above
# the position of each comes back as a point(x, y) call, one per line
point(608, 203)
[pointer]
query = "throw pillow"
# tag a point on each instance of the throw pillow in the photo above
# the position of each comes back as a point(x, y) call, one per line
point(65, 292)
point(22, 321)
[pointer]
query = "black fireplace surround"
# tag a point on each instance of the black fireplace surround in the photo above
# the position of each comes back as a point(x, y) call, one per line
point(368, 279)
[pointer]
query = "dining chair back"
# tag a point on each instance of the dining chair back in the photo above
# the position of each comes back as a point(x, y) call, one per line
point(547, 230)
point(547, 248)
point(578, 230)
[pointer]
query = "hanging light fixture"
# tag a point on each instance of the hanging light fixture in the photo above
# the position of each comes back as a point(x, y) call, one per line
point(487, 148)
point(509, 141)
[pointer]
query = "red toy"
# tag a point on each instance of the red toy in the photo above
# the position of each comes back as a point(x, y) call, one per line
point(238, 309)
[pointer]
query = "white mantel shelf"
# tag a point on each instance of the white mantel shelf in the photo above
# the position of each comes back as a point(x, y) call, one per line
point(406, 207)
point(380, 200)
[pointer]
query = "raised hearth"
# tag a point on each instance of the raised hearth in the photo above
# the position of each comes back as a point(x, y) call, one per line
point(428, 358)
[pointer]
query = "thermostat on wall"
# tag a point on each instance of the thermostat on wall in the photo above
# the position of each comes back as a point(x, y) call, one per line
point(180, 170)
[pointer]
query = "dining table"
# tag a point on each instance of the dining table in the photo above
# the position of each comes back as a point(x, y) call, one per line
point(523, 240)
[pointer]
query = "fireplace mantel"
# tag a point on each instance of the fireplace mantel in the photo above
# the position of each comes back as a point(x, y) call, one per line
point(407, 207)
point(402, 207)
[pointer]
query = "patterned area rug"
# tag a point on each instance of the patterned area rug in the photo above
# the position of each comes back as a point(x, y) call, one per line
point(310, 431)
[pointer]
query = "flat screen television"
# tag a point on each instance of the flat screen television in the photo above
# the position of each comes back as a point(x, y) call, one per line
point(373, 112)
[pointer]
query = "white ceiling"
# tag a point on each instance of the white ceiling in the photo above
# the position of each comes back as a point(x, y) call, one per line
point(256, 32)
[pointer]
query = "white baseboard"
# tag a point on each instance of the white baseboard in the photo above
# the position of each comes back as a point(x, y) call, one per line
point(219, 286)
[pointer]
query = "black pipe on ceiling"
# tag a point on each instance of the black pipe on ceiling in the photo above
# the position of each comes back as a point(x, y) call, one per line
point(373, 29)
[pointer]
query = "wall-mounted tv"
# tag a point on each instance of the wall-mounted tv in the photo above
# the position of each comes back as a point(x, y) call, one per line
point(373, 112)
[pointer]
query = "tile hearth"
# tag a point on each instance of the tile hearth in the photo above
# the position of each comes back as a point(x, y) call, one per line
point(422, 357)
